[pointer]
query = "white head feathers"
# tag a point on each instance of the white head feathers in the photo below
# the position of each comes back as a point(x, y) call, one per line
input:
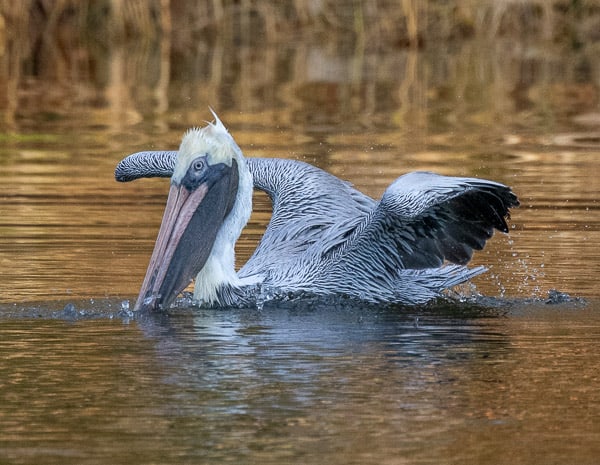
point(212, 141)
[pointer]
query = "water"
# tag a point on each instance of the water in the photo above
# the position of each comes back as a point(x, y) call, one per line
point(507, 378)
point(298, 384)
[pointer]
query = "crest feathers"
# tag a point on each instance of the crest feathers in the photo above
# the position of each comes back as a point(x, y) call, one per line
point(217, 124)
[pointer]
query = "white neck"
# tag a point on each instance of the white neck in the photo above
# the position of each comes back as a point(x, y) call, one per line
point(219, 269)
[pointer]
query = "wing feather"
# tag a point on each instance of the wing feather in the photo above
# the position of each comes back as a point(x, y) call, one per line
point(311, 208)
point(422, 220)
point(150, 164)
point(431, 219)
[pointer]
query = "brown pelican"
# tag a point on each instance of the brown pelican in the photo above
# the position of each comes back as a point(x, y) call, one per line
point(324, 237)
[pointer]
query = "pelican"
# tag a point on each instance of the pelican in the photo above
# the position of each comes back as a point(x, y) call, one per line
point(324, 236)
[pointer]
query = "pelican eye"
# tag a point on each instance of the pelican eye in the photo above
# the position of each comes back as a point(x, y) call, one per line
point(197, 172)
point(198, 164)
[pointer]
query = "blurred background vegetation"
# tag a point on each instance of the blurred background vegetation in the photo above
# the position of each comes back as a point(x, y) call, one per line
point(128, 60)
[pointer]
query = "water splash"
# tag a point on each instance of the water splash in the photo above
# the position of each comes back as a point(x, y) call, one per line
point(124, 310)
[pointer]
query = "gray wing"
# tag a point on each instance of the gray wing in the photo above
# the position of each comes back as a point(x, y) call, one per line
point(423, 219)
point(311, 208)
point(138, 165)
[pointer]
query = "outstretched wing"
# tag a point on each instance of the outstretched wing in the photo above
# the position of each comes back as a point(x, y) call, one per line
point(310, 206)
point(424, 219)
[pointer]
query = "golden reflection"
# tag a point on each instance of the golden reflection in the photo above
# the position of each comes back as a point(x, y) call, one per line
point(127, 61)
point(506, 90)
point(367, 92)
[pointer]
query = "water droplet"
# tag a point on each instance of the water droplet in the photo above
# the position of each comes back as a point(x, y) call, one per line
point(70, 310)
point(125, 312)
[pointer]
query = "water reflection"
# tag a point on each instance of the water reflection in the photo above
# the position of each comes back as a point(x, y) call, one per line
point(300, 384)
point(468, 92)
point(156, 65)
point(501, 109)
point(68, 228)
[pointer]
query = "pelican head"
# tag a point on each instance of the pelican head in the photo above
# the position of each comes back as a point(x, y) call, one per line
point(209, 204)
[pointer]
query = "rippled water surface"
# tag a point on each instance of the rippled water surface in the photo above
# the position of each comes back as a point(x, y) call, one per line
point(318, 384)
point(507, 378)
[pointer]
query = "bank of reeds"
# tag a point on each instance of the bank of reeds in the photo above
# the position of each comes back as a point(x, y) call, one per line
point(380, 23)
point(70, 41)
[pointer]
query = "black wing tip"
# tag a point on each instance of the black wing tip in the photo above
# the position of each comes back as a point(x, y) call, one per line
point(501, 201)
point(478, 214)
point(510, 198)
point(511, 201)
